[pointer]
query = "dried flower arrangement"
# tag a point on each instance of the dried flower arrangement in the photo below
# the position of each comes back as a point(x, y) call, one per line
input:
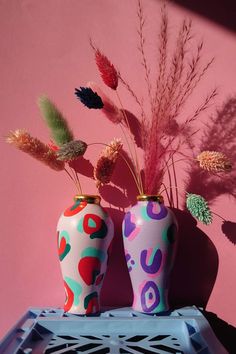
point(163, 132)
point(63, 148)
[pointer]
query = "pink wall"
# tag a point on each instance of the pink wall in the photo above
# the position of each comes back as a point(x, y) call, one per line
point(45, 49)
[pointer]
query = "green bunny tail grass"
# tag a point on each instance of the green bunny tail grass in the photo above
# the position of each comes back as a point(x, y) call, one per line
point(198, 207)
point(59, 129)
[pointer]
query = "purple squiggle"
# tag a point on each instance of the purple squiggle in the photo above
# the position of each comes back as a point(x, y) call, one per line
point(162, 213)
point(154, 267)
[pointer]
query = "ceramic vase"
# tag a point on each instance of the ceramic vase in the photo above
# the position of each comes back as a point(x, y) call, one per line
point(85, 232)
point(150, 238)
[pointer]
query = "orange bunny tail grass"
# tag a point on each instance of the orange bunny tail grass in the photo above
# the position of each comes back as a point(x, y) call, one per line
point(214, 161)
point(23, 141)
point(107, 70)
point(106, 163)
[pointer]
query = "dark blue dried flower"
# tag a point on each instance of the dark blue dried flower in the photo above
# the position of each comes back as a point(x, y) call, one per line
point(89, 98)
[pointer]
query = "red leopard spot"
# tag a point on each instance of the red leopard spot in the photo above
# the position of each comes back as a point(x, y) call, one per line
point(89, 268)
point(91, 223)
point(69, 297)
point(75, 208)
point(62, 246)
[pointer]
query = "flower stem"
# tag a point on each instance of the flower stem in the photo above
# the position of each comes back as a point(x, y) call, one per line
point(72, 180)
point(134, 157)
point(167, 194)
point(128, 165)
point(170, 183)
point(77, 180)
point(175, 181)
point(221, 217)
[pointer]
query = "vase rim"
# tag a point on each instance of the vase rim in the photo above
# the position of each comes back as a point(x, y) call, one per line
point(89, 198)
point(150, 197)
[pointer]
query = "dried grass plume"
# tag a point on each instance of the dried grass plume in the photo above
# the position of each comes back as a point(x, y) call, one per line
point(107, 70)
point(71, 151)
point(23, 141)
point(214, 161)
point(106, 163)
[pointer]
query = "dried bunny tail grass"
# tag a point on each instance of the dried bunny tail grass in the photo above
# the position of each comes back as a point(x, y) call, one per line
point(106, 163)
point(112, 150)
point(198, 208)
point(71, 151)
point(59, 128)
point(89, 98)
point(111, 111)
point(23, 141)
point(214, 161)
point(107, 70)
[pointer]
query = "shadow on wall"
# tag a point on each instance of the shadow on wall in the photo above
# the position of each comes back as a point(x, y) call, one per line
point(196, 265)
point(222, 12)
point(116, 289)
point(219, 135)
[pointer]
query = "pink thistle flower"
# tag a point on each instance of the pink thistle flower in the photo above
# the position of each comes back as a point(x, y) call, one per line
point(107, 70)
point(106, 163)
point(35, 148)
point(111, 111)
point(214, 161)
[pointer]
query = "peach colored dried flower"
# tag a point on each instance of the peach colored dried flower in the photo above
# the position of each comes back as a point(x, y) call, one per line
point(107, 70)
point(214, 161)
point(106, 162)
point(23, 141)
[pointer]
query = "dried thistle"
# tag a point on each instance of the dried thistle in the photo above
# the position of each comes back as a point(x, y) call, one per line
point(198, 207)
point(71, 151)
point(35, 148)
point(214, 161)
point(56, 122)
point(89, 98)
point(106, 163)
point(111, 111)
point(107, 70)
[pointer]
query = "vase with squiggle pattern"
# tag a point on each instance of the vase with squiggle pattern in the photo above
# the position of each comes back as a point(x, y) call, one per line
point(150, 235)
point(84, 235)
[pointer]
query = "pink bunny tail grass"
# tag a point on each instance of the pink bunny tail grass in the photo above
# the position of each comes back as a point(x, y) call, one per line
point(107, 70)
point(111, 111)
point(106, 163)
point(35, 148)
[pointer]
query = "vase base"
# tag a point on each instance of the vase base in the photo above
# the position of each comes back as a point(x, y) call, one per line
point(93, 311)
point(161, 310)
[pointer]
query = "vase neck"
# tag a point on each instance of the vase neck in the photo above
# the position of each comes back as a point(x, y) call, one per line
point(150, 198)
point(91, 199)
